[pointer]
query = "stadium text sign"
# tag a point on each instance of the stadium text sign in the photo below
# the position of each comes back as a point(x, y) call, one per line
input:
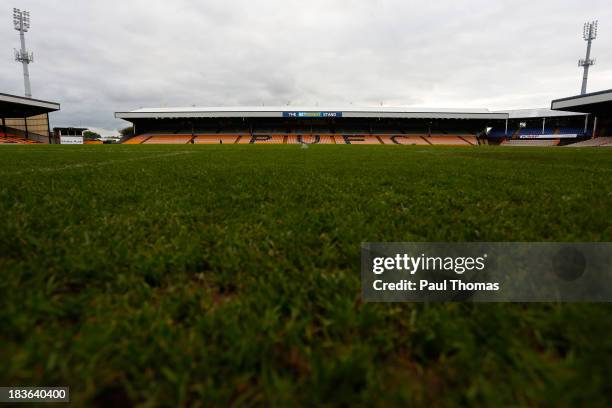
point(75, 140)
point(486, 272)
point(312, 114)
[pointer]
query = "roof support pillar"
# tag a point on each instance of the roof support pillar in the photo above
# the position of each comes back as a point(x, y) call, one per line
point(48, 129)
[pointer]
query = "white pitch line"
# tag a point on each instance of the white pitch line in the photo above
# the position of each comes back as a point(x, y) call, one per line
point(88, 164)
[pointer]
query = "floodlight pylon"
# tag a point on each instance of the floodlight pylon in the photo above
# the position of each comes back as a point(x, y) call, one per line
point(21, 22)
point(589, 33)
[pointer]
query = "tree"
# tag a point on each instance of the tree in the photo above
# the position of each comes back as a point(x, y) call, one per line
point(88, 134)
point(127, 132)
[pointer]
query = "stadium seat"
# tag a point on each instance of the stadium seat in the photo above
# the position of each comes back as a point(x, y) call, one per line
point(218, 139)
point(447, 140)
point(310, 139)
point(402, 140)
point(356, 139)
point(299, 138)
point(473, 140)
point(13, 139)
point(168, 139)
point(263, 139)
point(137, 139)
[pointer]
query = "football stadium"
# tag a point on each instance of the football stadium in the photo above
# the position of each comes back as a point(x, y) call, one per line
point(214, 256)
point(369, 126)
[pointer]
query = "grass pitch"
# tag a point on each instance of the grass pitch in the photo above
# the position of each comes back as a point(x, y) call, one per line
point(229, 275)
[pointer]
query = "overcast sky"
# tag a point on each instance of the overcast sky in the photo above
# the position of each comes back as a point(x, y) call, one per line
point(96, 57)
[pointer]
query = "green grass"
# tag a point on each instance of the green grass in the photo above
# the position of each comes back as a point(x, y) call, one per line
point(229, 275)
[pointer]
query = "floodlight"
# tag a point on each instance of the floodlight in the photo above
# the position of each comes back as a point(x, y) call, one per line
point(589, 33)
point(21, 21)
point(590, 30)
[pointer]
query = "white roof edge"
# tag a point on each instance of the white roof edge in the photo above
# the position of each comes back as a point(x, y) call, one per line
point(29, 101)
point(263, 111)
point(580, 100)
point(537, 113)
point(306, 109)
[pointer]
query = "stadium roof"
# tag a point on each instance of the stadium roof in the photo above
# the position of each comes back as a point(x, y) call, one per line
point(539, 113)
point(12, 106)
point(595, 102)
point(309, 111)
